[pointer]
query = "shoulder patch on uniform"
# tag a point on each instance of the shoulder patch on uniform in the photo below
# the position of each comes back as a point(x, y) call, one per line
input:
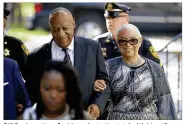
point(25, 49)
point(153, 52)
point(161, 64)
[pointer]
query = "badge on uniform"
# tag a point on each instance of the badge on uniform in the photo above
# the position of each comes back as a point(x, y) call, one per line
point(107, 41)
point(153, 52)
point(104, 52)
point(6, 52)
point(25, 49)
point(109, 7)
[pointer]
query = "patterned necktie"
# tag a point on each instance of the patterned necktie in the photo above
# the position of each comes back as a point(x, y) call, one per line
point(67, 57)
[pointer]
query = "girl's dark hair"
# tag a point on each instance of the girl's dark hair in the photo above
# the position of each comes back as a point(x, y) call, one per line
point(73, 92)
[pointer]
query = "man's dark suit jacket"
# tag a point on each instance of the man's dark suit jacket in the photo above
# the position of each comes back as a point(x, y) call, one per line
point(88, 61)
point(14, 90)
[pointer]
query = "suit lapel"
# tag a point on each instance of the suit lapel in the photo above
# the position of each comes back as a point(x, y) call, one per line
point(47, 54)
point(80, 55)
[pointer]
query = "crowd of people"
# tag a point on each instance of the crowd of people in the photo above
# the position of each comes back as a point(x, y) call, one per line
point(116, 76)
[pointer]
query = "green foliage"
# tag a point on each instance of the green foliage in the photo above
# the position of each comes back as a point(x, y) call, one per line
point(27, 9)
point(18, 30)
point(24, 34)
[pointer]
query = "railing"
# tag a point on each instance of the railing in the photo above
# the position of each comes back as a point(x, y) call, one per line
point(167, 51)
point(173, 40)
point(177, 57)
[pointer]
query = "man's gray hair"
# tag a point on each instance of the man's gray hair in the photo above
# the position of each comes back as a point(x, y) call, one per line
point(129, 27)
point(59, 9)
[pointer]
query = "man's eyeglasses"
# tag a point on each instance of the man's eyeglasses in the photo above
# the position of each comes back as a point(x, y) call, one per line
point(123, 42)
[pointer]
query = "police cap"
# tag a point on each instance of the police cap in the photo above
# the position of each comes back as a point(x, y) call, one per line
point(113, 9)
point(6, 13)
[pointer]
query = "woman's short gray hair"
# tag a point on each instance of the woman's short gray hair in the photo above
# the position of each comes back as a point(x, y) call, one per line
point(130, 27)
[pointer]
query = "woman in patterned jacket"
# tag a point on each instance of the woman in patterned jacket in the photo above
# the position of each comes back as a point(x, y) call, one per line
point(140, 89)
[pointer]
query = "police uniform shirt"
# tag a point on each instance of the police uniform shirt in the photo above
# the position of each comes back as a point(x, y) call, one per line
point(58, 54)
point(108, 46)
point(15, 49)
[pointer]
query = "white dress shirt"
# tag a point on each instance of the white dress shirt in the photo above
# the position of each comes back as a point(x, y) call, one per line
point(58, 54)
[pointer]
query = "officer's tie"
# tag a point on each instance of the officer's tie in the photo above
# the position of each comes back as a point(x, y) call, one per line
point(67, 57)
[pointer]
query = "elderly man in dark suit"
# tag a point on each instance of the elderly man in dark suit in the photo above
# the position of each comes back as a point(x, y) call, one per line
point(14, 91)
point(84, 54)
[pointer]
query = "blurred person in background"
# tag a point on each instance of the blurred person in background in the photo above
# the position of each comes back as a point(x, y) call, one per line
point(60, 97)
point(140, 89)
point(116, 15)
point(14, 91)
point(84, 54)
point(13, 47)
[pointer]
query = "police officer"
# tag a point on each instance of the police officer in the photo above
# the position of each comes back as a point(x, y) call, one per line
point(13, 47)
point(116, 15)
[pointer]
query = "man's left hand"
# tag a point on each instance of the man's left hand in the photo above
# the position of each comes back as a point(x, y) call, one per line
point(19, 107)
point(94, 110)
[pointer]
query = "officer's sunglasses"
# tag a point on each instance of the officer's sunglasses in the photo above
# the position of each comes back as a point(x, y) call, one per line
point(113, 15)
point(123, 42)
